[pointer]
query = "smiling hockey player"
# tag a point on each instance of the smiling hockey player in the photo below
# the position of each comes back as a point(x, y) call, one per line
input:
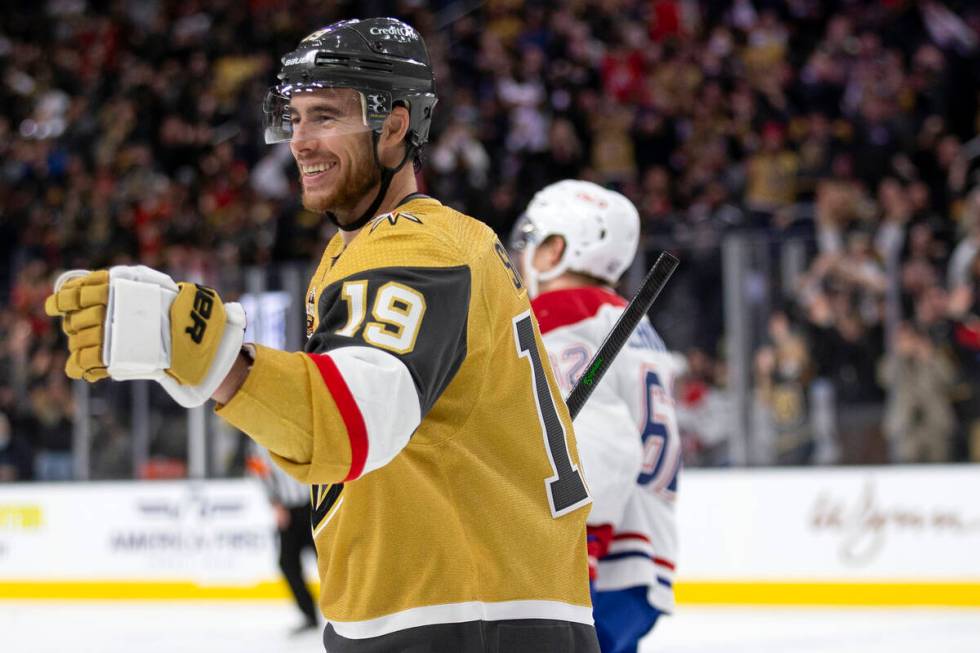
point(448, 506)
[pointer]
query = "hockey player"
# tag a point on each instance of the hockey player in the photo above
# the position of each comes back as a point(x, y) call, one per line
point(575, 240)
point(448, 505)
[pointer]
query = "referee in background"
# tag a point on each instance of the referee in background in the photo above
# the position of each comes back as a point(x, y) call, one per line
point(291, 502)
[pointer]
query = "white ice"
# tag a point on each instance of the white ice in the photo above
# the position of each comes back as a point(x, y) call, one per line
point(262, 627)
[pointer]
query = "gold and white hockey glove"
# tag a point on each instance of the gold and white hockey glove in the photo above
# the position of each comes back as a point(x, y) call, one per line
point(133, 322)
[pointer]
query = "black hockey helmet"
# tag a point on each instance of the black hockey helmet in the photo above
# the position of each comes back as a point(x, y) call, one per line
point(382, 58)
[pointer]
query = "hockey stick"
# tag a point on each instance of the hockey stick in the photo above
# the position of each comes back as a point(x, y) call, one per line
point(654, 282)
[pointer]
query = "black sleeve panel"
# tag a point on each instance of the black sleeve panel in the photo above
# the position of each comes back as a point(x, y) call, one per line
point(440, 346)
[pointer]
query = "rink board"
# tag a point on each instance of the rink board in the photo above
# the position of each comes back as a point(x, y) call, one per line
point(847, 536)
point(840, 536)
point(161, 539)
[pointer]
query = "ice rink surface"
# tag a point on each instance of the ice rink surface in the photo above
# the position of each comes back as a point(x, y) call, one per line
point(257, 627)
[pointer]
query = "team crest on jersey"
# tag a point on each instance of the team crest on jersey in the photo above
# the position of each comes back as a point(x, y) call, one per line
point(310, 311)
point(393, 218)
point(322, 499)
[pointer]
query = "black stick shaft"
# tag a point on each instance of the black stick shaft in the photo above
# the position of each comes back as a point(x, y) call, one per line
point(654, 282)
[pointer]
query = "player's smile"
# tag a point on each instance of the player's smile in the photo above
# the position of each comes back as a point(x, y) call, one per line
point(315, 174)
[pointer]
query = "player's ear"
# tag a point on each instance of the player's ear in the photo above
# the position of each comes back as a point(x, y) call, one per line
point(555, 245)
point(549, 253)
point(394, 135)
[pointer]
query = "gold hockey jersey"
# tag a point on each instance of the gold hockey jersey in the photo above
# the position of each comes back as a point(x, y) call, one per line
point(424, 414)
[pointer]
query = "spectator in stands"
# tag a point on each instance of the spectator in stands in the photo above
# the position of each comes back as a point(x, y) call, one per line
point(964, 309)
point(783, 374)
point(841, 299)
point(705, 412)
point(49, 422)
point(771, 175)
point(958, 272)
point(918, 419)
point(16, 461)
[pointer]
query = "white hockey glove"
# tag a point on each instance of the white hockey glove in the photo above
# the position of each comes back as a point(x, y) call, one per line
point(133, 322)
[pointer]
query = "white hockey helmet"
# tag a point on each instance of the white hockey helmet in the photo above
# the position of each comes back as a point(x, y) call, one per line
point(601, 229)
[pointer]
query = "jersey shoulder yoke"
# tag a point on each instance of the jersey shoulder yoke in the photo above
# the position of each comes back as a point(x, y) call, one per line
point(560, 308)
point(420, 233)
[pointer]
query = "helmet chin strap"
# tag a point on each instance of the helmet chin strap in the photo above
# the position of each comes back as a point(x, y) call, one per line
point(387, 174)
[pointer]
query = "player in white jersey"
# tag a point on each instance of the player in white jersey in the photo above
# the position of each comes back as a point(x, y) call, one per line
point(575, 241)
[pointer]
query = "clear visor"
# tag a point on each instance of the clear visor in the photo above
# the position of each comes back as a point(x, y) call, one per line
point(523, 234)
point(297, 112)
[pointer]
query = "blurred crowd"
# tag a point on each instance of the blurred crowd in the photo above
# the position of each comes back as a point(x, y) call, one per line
point(130, 131)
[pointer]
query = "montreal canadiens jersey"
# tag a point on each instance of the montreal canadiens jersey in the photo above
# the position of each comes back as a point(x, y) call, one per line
point(424, 414)
point(627, 437)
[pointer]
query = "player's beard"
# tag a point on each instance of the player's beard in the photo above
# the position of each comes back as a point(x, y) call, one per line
point(359, 178)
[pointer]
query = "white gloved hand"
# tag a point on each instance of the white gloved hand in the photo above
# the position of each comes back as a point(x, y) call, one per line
point(133, 322)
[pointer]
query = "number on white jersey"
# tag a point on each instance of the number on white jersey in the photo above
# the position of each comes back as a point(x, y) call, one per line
point(660, 463)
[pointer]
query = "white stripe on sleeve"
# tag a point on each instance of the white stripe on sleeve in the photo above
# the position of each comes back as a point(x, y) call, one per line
point(387, 397)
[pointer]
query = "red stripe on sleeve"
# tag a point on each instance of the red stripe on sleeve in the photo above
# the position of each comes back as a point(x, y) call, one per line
point(349, 412)
point(663, 562)
point(629, 535)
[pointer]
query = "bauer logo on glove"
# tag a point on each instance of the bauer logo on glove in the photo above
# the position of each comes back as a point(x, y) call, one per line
point(133, 322)
point(203, 302)
point(201, 319)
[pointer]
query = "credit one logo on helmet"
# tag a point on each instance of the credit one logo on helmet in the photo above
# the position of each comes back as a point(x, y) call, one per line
point(395, 33)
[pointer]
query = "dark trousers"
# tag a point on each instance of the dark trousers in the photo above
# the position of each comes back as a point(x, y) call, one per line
point(509, 636)
point(292, 540)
